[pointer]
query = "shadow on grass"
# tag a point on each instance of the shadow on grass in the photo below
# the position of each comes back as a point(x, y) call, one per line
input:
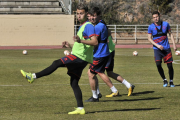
point(144, 92)
point(139, 93)
point(149, 98)
point(116, 110)
point(177, 85)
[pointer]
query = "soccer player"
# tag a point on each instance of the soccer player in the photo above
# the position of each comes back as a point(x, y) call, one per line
point(82, 55)
point(110, 66)
point(100, 57)
point(157, 35)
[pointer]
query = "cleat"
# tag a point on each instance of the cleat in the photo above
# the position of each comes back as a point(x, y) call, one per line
point(171, 84)
point(27, 76)
point(91, 99)
point(99, 95)
point(113, 94)
point(130, 90)
point(165, 83)
point(77, 111)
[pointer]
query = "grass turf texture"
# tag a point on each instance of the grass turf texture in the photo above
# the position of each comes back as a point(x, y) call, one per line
point(51, 97)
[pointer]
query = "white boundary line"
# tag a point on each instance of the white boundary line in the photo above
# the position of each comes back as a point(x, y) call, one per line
point(68, 84)
point(176, 61)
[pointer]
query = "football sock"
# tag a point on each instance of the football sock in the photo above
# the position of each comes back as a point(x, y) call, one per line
point(34, 75)
point(80, 108)
point(98, 90)
point(171, 81)
point(94, 94)
point(126, 83)
point(50, 69)
point(77, 91)
point(113, 89)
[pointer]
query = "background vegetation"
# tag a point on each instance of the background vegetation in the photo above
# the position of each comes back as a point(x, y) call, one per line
point(135, 11)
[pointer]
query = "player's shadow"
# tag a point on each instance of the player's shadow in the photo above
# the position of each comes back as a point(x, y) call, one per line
point(125, 100)
point(144, 92)
point(118, 110)
point(177, 85)
point(115, 110)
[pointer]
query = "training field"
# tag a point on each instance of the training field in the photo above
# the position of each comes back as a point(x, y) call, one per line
point(51, 97)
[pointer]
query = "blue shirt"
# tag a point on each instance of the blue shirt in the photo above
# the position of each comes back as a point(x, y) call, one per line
point(102, 50)
point(161, 40)
point(88, 31)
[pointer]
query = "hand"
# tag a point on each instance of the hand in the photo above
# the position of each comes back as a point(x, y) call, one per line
point(65, 44)
point(175, 48)
point(160, 47)
point(77, 39)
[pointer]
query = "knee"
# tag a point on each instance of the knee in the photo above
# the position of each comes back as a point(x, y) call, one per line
point(158, 64)
point(170, 66)
point(90, 75)
point(109, 73)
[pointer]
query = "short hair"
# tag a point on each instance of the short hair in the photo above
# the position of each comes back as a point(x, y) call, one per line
point(156, 12)
point(94, 10)
point(82, 6)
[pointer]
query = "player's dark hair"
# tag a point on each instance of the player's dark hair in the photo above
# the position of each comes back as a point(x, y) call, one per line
point(156, 12)
point(82, 6)
point(94, 10)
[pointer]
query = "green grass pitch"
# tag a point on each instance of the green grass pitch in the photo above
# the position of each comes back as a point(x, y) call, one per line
point(51, 97)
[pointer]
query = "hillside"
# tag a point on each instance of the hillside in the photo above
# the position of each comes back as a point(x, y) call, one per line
point(139, 11)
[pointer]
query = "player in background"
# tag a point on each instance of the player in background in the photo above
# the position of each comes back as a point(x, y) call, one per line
point(157, 35)
point(100, 57)
point(82, 55)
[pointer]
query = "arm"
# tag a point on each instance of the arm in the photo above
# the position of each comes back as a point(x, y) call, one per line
point(152, 42)
point(173, 41)
point(92, 42)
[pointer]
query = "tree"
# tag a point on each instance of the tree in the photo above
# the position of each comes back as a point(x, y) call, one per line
point(160, 5)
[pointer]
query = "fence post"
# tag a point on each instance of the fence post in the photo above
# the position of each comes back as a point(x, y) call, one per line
point(115, 34)
point(75, 27)
point(177, 38)
point(135, 34)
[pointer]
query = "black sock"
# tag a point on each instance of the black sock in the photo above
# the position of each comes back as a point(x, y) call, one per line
point(50, 69)
point(77, 91)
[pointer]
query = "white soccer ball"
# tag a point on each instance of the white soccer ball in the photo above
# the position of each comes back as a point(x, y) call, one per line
point(24, 52)
point(66, 52)
point(135, 53)
point(177, 52)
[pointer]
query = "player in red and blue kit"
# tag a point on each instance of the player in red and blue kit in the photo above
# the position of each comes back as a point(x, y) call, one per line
point(100, 57)
point(157, 35)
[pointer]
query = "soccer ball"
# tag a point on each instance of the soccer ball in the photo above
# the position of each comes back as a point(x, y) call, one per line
point(66, 52)
point(177, 52)
point(24, 52)
point(135, 53)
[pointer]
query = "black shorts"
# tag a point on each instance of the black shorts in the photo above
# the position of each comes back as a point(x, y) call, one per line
point(74, 65)
point(98, 65)
point(163, 54)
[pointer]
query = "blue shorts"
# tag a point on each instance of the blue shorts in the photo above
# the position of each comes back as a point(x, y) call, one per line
point(110, 62)
point(163, 54)
point(98, 65)
point(74, 65)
